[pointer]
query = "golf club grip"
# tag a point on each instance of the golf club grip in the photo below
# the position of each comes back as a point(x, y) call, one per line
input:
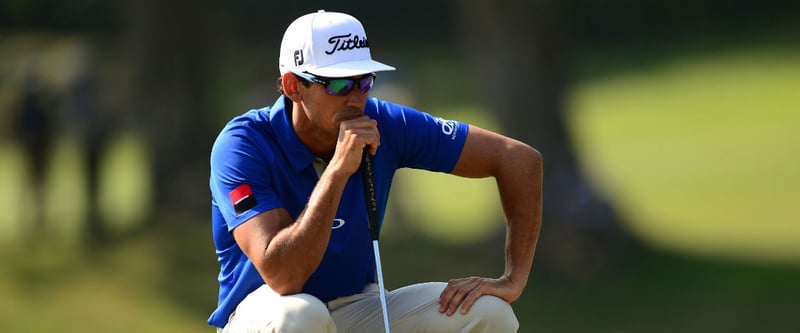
point(369, 194)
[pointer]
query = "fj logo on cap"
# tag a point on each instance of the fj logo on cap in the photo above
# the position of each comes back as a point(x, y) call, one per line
point(298, 57)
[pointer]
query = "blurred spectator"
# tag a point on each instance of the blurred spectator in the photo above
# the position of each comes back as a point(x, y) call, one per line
point(33, 129)
point(82, 120)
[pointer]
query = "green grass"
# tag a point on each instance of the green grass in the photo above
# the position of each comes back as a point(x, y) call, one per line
point(699, 154)
point(130, 286)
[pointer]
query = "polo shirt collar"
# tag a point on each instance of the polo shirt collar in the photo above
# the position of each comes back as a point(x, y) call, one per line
point(295, 151)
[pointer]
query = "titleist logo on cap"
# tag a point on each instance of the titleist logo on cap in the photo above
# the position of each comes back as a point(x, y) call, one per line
point(345, 42)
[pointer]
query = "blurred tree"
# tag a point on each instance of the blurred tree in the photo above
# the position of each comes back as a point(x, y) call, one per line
point(172, 47)
point(517, 48)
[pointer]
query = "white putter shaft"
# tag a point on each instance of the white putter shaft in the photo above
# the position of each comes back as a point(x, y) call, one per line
point(380, 285)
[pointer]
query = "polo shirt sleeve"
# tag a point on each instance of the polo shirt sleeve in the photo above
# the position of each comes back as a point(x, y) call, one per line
point(240, 182)
point(421, 140)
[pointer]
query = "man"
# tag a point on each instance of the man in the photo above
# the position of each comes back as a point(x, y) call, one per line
point(288, 210)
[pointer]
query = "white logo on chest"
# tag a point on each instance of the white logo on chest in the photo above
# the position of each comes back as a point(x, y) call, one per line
point(337, 223)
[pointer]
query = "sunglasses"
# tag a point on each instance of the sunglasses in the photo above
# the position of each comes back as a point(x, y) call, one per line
point(341, 86)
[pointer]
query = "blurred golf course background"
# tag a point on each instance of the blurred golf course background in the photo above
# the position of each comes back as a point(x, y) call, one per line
point(694, 143)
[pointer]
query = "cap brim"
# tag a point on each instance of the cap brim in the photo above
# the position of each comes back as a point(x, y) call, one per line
point(351, 68)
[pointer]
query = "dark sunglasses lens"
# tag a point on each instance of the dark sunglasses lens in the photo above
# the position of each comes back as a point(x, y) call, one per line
point(339, 86)
point(366, 83)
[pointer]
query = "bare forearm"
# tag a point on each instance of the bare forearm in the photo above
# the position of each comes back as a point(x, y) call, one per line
point(520, 187)
point(296, 251)
point(517, 169)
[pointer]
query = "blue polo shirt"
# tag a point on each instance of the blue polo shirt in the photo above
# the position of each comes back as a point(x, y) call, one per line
point(258, 163)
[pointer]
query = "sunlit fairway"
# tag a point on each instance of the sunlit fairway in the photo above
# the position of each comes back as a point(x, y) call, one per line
point(700, 155)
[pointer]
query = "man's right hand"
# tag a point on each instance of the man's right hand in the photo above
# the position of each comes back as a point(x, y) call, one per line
point(354, 135)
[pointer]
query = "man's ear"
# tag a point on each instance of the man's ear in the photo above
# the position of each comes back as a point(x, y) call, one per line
point(290, 86)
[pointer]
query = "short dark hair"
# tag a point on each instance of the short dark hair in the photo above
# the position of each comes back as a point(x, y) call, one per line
point(280, 83)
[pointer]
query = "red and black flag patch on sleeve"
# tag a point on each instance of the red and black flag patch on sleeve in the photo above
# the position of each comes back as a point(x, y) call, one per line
point(242, 198)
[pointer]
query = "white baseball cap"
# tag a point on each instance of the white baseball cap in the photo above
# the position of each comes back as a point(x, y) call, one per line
point(327, 44)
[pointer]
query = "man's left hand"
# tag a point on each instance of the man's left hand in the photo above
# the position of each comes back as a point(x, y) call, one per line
point(465, 291)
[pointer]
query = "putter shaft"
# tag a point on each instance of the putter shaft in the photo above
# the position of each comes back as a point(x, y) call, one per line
point(380, 285)
point(372, 223)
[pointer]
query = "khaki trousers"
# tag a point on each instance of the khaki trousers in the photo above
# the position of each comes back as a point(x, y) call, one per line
point(411, 309)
